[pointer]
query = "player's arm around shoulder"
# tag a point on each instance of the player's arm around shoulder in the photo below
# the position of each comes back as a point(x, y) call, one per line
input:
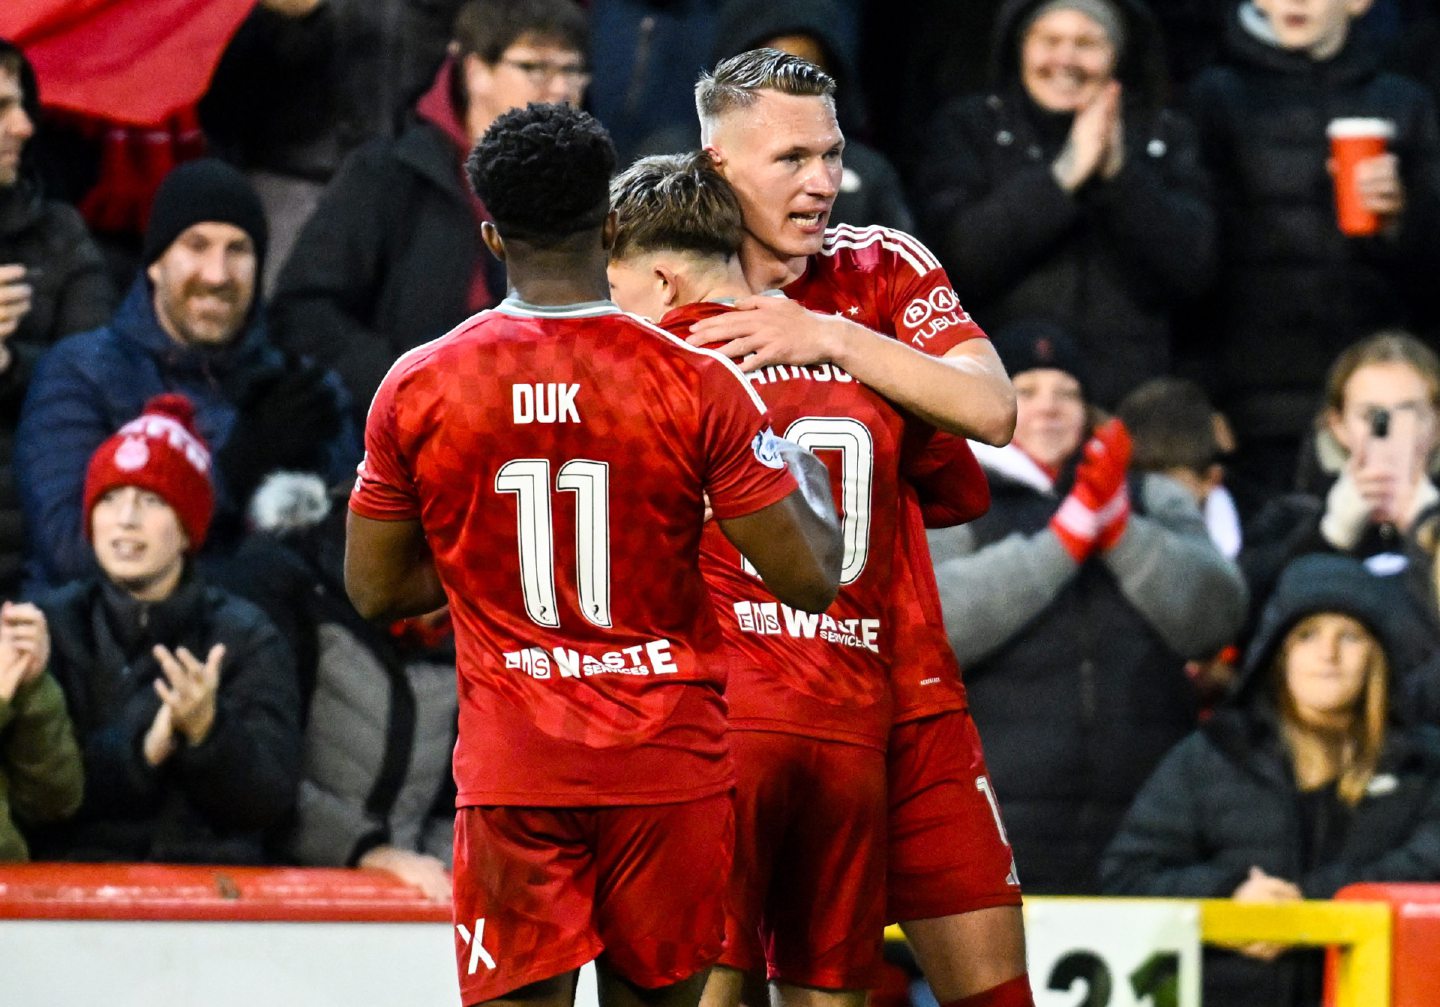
point(965, 392)
point(794, 543)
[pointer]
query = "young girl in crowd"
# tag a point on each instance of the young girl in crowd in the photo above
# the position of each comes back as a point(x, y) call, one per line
point(1305, 782)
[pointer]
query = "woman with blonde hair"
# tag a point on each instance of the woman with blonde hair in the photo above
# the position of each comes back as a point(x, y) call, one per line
point(1370, 489)
point(1304, 782)
point(1378, 436)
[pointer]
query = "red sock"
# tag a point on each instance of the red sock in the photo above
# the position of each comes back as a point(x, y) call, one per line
point(1011, 993)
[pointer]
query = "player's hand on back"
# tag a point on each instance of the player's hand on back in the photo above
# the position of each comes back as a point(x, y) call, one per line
point(767, 330)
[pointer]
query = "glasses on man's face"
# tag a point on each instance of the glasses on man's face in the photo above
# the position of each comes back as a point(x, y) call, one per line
point(541, 72)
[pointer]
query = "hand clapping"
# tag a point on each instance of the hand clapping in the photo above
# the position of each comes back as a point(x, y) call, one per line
point(189, 689)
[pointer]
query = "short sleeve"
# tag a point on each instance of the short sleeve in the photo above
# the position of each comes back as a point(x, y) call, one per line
point(744, 471)
point(384, 488)
point(926, 311)
point(948, 479)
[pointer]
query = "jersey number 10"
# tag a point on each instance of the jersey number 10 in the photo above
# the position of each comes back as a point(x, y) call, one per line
point(529, 480)
point(856, 447)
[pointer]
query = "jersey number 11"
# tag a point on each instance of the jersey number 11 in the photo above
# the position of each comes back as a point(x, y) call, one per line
point(529, 480)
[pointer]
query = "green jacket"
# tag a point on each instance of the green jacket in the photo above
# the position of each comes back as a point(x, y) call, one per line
point(40, 775)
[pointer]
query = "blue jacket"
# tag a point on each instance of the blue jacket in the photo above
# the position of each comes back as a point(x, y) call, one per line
point(90, 384)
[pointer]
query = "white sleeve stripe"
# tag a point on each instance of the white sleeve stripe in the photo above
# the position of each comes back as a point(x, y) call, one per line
point(914, 244)
point(760, 405)
point(910, 260)
point(897, 241)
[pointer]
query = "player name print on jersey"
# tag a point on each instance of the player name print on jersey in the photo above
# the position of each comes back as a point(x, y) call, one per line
point(814, 372)
point(544, 403)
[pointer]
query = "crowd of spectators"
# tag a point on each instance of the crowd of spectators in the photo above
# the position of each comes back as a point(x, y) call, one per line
point(1137, 202)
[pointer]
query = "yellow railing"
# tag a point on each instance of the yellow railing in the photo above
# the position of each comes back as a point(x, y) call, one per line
point(1360, 929)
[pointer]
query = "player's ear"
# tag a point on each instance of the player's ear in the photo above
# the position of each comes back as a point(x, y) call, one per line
point(491, 236)
point(668, 284)
point(609, 229)
point(715, 156)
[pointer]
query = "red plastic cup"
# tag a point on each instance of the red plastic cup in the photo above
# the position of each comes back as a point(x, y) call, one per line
point(1353, 141)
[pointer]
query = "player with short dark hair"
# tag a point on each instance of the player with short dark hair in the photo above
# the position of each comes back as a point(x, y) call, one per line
point(545, 468)
point(883, 310)
point(542, 197)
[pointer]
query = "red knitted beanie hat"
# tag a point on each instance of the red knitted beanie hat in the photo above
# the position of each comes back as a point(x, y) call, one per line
point(158, 451)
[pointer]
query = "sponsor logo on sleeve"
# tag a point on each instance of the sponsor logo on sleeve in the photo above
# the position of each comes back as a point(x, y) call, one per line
point(361, 473)
point(932, 314)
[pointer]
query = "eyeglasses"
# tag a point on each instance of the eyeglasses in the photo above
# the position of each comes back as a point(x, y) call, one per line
point(541, 72)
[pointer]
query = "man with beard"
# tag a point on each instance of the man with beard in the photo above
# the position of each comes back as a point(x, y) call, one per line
point(191, 323)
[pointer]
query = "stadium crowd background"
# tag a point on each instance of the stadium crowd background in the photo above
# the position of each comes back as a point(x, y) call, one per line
point(1137, 205)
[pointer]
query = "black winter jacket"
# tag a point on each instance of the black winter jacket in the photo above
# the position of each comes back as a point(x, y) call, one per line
point(1226, 800)
point(1111, 262)
point(1076, 709)
point(70, 292)
point(384, 264)
point(211, 803)
point(1293, 291)
point(381, 721)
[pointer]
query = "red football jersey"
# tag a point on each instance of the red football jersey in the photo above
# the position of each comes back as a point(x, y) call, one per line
point(818, 676)
point(558, 459)
point(890, 283)
point(924, 674)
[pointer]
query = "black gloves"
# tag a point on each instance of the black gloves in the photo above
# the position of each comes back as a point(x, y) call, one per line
point(285, 419)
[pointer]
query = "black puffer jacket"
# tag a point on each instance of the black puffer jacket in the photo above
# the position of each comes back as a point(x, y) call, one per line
point(381, 722)
point(211, 803)
point(1226, 800)
point(1113, 261)
point(70, 292)
point(1294, 291)
point(295, 95)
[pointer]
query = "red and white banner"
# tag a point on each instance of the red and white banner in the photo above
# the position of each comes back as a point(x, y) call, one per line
point(127, 61)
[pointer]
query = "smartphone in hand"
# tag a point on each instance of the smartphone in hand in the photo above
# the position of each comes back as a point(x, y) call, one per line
point(1389, 457)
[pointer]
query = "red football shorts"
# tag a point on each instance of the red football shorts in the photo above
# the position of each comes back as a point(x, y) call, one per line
point(542, 891)
point(807, 891)
point(948, 851)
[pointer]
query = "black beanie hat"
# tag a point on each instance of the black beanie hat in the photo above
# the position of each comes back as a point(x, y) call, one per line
point(199, 192)
point(1029, 344)
point(1326, 582)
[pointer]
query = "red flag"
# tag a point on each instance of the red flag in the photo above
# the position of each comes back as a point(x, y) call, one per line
point(127, 61)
